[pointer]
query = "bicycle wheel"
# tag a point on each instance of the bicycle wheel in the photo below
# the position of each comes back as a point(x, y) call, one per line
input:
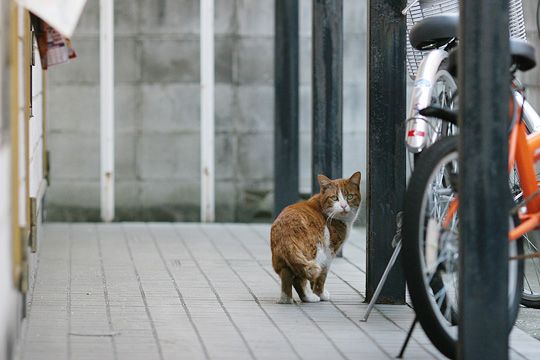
point(443, 95)
point(431, 254)
point(531, 273)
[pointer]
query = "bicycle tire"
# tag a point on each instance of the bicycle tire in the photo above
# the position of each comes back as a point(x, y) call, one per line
point(447, 99)
point(531, 293)
point(441, 331)
point(531, 267)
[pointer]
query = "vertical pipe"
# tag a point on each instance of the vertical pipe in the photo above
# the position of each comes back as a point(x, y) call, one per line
point(483, 114)
point(17, 246)
point(44, 155)
point(106, 82)
point(386, 149)
point(27, 101)
point(286, 133)
point(23, 123)
point(327, 90)
point(207, 111)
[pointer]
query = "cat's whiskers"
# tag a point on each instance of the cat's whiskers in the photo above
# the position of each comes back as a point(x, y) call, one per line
point(330, 217)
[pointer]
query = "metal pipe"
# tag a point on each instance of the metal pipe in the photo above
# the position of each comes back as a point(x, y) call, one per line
point(106, 82)
point(484, 80)
point(286, 133)
point(207, 111)
point(327, 90)
point(386, 146)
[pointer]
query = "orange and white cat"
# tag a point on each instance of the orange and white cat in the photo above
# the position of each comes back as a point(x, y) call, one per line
point(306, 236)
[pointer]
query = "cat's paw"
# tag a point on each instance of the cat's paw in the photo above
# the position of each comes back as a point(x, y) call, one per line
point(284, 299)
point(325, 296)
point(311, 298)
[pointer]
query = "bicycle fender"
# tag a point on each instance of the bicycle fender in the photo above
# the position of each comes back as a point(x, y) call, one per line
point(418, 132)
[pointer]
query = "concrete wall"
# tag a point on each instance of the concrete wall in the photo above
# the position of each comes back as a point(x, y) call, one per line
point(532, 77)
point(157, 110)
point(10, 300)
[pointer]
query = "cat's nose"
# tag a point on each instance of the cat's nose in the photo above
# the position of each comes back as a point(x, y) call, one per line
point(343, 205)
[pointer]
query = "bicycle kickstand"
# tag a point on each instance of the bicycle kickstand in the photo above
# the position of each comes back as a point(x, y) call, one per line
point(407, 339)
point(396, 243)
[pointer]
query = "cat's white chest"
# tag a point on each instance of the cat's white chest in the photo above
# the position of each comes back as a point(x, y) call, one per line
point(324, 255)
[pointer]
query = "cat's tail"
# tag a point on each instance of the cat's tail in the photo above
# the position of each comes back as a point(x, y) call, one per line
point(312, 270)
point(308, 268)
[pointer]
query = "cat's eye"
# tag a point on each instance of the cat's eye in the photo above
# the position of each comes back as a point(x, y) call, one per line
point(349, 196)
point(334, 198)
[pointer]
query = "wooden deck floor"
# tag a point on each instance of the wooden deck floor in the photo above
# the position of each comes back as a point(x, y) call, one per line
point(192, 291)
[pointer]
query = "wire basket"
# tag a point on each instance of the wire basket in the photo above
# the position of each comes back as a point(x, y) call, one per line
point(420, 9)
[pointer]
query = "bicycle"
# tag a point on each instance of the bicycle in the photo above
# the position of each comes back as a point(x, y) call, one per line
point(430, 221)
point(432, 34)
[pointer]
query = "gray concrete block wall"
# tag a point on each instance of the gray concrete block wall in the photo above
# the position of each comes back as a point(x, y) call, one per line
point(531, 78)
point(157, 110)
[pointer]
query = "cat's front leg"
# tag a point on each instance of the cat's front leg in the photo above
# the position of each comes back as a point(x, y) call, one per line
point(318, 286)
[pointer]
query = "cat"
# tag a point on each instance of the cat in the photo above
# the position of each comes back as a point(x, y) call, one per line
point(306, 236)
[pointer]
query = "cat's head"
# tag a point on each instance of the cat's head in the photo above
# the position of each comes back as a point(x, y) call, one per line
point(340, 198)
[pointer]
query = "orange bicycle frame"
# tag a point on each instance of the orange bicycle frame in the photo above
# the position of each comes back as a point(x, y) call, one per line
point(524, 151)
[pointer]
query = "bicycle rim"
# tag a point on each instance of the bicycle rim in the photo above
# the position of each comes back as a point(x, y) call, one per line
point(531, 275)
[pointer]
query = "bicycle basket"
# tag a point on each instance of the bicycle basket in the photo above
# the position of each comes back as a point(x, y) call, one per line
point(420, 9)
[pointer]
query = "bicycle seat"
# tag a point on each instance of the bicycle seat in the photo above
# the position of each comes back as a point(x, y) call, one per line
point(522, 52)
point(434, 31)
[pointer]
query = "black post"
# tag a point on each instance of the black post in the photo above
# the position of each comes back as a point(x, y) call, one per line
point(286, 161)
point(327, 90)
point(386, 148)
point(483, 95)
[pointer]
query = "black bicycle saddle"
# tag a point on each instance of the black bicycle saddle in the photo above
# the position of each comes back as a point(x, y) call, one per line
point(434, 31)
point(522, 52)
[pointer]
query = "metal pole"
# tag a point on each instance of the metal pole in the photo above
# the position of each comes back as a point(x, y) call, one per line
point(286, 134)
point(386, 150)
point(106, 82)
point(327, 90)
point(207, 112)
point(484, 91)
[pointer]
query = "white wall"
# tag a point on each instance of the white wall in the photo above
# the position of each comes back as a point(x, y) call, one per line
point(10, 298)
point(38, 184)
point(36, 130)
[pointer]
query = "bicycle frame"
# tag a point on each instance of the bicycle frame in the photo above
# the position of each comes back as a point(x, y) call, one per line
point(524, 152)
point(530, 116)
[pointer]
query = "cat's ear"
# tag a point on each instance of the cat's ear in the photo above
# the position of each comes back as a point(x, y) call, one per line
point(324, 182)
point(355, 178)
